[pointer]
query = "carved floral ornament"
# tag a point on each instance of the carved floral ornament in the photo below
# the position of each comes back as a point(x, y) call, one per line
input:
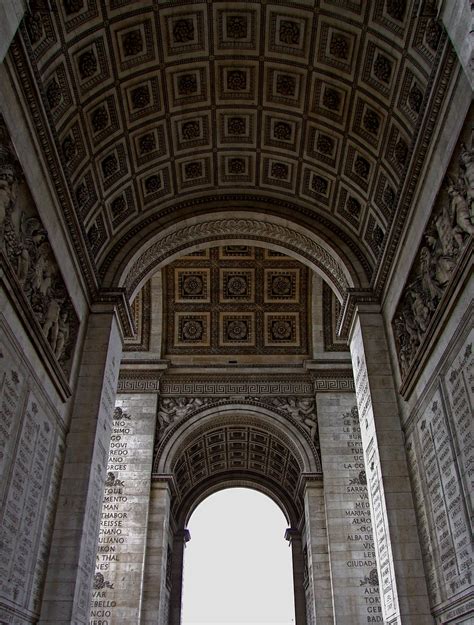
point(448, 233)
point(223, 229)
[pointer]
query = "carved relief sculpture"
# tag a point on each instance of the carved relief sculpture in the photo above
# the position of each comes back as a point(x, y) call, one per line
point(448, 231)
point(174, 409)
point(301, 409)
point(25, 246)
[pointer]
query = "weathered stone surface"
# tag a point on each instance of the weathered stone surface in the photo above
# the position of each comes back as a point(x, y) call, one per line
point(349, 527)
point(118, 579)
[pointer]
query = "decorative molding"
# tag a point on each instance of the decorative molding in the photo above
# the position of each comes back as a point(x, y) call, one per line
point(334, 384)
point(223, 387)
point(28, 75)
point(141, 315)
point(446, 60)
point(217, 386)
point(238, 201)
point(221, 229)
point(117, 299)
point(139, 381)
point(331, 313)
point(353, 298)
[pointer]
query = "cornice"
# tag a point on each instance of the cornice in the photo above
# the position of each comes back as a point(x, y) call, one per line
point(18, 63)
point(352, 299)
point(446, 61)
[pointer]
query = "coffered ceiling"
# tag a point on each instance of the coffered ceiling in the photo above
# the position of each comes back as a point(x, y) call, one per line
point(236, 300)
point(240, 450)
point(313, 106)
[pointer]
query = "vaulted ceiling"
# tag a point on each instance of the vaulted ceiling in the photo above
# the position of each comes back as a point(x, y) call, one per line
point(311, 108)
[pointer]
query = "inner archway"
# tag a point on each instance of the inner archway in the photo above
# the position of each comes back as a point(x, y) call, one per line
point(237, 567)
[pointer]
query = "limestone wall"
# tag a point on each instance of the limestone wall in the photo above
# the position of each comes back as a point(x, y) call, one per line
point(440, 448)
point(349, 527)
point(42, 310)
point(435, 381)
point(117, 589)
point(31, 448)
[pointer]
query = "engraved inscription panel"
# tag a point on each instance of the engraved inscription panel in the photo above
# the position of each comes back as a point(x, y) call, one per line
point(349, 525)
point(459, 384)
point(123, 524)
point(383, 548)
point(30, 465)
point(438, 465)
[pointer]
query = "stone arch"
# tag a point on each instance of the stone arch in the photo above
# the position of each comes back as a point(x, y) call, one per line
point(239, 482)
point(236, 444)
point(249, 422)
point(339, 269)
point(250, 410)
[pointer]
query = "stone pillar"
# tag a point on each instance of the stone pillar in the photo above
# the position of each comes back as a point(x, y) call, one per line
point(72, 558)
point(155, 597)
point(11, 14)
point(403, 592)
point(349, 529)
point(319, 604)
point(181, 537)
point(122, 537)
point(293, 536)
point(458, 19)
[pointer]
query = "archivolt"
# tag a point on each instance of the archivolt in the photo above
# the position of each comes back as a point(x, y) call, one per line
point(297, 440)
point(235, 446)
point(199, 232)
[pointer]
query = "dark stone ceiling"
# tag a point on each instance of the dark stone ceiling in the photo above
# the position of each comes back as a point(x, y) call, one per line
point(236, 300)
point(313, 106)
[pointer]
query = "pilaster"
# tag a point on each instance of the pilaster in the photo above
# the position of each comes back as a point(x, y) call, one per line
point(155, 598)
point(319, 601)
point(180, 539)
point(403, 590)
point(73, 551)
point(293, 536)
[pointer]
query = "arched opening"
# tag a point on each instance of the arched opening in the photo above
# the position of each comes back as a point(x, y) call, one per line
point(220, 447)
point(237, 567)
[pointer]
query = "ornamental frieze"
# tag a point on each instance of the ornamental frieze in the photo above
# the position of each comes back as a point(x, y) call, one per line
point(26, 249)
point(299, 410)
point(446, 237)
